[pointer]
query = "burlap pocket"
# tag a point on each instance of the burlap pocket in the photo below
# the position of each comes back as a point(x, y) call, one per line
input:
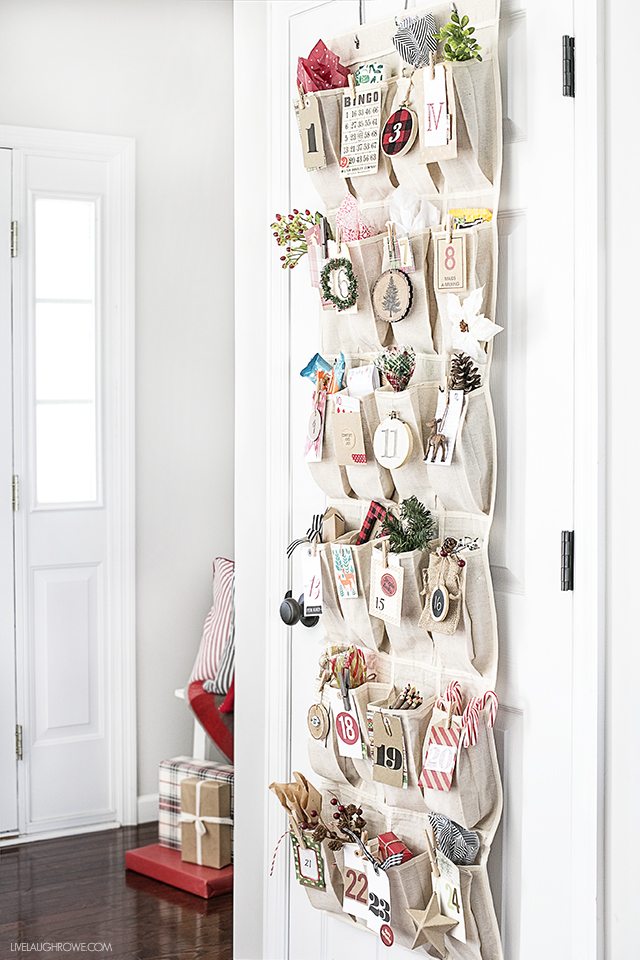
point(330, 898)
point(479, 138)
point(370, 480)
point(410, 887)
point(377, 187)
point(326, 761)
point(331, 186)
point(443, 574)
point(361, 331)
point(407, 639)
point(361, 697)
point(481, 925)
point(416, 326)
point(414, 727)
point(411, 478)
point(361, 628)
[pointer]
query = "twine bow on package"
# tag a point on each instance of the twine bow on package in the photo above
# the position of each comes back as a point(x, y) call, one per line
point(400, 133)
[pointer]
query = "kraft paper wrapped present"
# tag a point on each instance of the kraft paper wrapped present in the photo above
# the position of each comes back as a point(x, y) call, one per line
point(172, 773)
point(206, 822)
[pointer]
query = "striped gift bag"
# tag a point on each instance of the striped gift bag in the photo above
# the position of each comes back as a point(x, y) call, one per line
point(172, 773)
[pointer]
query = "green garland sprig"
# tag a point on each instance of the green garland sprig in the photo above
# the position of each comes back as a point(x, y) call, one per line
point(339, 263)
point(457, 37)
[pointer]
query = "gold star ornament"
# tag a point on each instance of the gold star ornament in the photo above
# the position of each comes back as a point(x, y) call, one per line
point(431, 926)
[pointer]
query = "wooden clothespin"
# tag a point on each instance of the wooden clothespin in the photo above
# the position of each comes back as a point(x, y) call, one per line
point(431, 849)
point(432, 65)
point(352, 85)
point(301, 103)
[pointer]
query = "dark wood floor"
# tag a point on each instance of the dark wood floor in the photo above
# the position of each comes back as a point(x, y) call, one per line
point(76, 889)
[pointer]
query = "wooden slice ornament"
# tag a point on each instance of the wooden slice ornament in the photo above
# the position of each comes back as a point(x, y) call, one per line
point(392, 442)
point(399, 132)
point(318, 721)
point(392, 296)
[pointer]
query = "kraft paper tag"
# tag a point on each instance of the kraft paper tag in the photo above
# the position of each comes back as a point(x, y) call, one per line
point(451, 264)
point(360, 142)
point(310, 128)
point(389, 761)
point(449, 891)
point(348, 439)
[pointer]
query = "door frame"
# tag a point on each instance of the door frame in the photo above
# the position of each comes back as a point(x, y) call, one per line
point(119, 154)
point(272, 756)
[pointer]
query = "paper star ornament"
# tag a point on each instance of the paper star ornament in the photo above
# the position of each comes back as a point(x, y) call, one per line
point(431, 927)
point(470, 328)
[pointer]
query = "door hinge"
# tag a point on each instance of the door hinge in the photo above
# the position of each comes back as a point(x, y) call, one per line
point(14, 238)
point(566, 560)
point(568, 66)
point(15, 492)
point(19, 754)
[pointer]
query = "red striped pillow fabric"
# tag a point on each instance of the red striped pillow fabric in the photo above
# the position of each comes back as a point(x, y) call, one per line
point(218, 624)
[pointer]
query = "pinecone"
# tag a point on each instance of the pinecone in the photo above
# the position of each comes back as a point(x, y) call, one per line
point(320, 833)
point(463, 374)
point(335, 844)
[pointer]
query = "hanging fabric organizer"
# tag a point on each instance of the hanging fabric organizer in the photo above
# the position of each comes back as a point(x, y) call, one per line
point(417, 649)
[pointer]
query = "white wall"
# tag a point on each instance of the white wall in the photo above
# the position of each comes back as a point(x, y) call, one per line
point(154, 70)
point(622, 782)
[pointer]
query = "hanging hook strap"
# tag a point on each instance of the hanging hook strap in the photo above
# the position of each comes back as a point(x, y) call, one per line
point(361, 11)
point(314, 535)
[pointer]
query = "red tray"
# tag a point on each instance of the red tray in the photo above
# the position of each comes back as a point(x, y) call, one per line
point(167, 866)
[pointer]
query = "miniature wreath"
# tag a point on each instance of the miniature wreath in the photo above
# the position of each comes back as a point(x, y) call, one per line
point(339, 263)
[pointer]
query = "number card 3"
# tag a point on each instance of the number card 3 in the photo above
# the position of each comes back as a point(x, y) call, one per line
point(449, 891)
point(385, 599)
point(440, 758)
point(356, 883)
point(348, 731)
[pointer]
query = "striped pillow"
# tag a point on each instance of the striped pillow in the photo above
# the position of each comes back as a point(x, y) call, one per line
point(227, 665)
point(218, 626)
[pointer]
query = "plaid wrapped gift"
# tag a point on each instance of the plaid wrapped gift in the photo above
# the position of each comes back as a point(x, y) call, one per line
point(172, 773)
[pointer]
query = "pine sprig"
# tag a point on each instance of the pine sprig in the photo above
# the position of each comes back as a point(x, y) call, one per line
point(457, 37)
point(413, 529)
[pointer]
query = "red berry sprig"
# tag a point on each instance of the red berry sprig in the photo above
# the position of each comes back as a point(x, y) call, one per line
point(289, 230)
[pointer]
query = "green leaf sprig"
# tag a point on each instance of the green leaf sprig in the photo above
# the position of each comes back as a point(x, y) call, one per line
point(457, 37)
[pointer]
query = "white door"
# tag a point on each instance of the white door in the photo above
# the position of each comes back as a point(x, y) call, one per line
point(8, 763)
point(532, 390)
point(70, 457)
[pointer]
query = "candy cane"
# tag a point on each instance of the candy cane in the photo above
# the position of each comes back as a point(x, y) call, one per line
point(452, 694)
point(491, 699)
point(471, 722)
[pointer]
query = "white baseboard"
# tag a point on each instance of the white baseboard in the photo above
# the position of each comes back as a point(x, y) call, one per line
point(148, 808)
point(57, 834)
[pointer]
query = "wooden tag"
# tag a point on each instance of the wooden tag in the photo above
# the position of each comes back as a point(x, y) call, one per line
point(310, 128)
point(348, 439)
point(451, 264)
point(392, 296)
point(389, 761)
point(360, 143)
point(392, 443)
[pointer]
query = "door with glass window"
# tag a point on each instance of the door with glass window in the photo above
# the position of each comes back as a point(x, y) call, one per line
point(64, 459)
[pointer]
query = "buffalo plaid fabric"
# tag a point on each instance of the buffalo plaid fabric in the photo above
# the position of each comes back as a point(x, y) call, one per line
point(375, 513)
point(400, 134)
point(172, 773)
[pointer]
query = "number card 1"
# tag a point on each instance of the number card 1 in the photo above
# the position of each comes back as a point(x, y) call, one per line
point(451, 263)
point(310, 127)
point(347, 727)
point(449, 891)
point(355, 900)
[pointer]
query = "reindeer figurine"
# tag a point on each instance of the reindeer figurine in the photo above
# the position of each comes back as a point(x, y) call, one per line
point(437, 442)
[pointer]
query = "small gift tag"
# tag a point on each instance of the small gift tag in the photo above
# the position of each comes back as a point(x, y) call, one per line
point(389, 759)
point(440, 758)
point(444, 428)
point(315, 429)
point(312, 580)
point(379, 914)
point(349, 440)
point(344, 572)
point(362, 381)
point(347, 728)
point(438, 134)
point(360, 143)
point(392, 442)
point(356, 882)
point(449, 891)
point(385, 599)
point(308, 862)
point(310, 127)
point(451, 264)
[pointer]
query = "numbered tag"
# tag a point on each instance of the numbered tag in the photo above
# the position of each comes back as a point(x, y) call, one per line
point(392, 443)
point(310, 127)
point(355, 900)
point(440, 758)
point(449, 891)
point(360, 144)
point(315, 429)
point(308, 862)
point(347, 727)
point(379, 913)
point(448, 419)
point(389, 758)
point(312, 580)
point(385, 598)
point(435, 120)
point(344, 572)
point(399, 132)
point(451, 263)
point(439, 604)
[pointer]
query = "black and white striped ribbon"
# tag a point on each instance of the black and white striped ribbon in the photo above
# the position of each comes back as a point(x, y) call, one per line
point(314, 535)
point(461, 846)
point(415, 39)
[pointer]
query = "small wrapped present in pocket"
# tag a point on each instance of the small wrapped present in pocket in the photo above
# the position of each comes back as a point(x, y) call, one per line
point(206, 822)
point(390, 846)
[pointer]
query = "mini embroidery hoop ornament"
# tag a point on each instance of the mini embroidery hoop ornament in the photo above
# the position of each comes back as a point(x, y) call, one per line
point(403, 447)
point(389, 149)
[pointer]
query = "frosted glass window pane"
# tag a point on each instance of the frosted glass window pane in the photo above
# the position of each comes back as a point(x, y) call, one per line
point(65, 249)
point(65, 453)
point(65, 351)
